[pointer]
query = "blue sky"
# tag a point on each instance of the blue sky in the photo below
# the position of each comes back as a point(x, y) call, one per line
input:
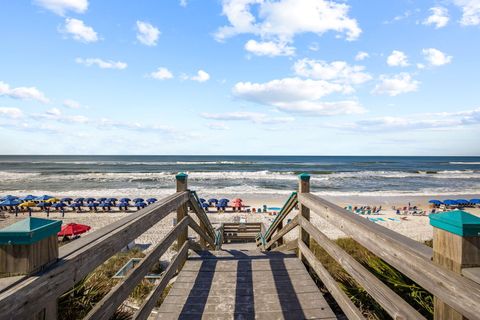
point(286, 77)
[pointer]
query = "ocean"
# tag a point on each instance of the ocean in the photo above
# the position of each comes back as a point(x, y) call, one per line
point(216, 175)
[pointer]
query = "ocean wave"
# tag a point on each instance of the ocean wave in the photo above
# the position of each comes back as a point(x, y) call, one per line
point(459, 162)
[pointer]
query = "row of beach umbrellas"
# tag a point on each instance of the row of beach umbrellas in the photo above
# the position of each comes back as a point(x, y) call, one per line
point(450, 202)
point(46, 201)
point(220, 203)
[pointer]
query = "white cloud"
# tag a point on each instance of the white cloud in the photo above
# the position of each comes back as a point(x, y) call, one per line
point(361, 55)
point(72, 104)
point(255, 117)
point(297, 95)
point(436, 57)
point(396, 84)
point(336, 71)
point(60, 7)
point(416, 122)
point(54, 112)
point(147, 33)
point(282, 20)
point(102, 64)
point(12, 113)
point(269, 48)
point(471, 12)
point(23, 93)
point(57, 115)
point(218, 126)
point(183, 3)
point(79, 31)
point(397, 59)
point(161, 74)
point(201, 76)
point(439, 17)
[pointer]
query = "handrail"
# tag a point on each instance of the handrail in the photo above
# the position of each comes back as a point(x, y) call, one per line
point(408, 256)
point(287, 228)
point(202, 216)
point(393, 304)
point(106, 307)
point(286, 209)
point(80, 258)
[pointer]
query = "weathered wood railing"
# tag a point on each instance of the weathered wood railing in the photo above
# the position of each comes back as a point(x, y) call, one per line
point(36, 295)
point(412, 258)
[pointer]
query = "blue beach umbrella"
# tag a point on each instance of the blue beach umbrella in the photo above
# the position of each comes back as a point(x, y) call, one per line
point(462, 201)
point(152, 200)
point(79, 200)
point(437, 202)
point(122, 205)
point(88, 200)
point(28, 198)
point(59, 205)
point(201, 200)
point(10, 202)
point(112, 199)
point(75, 205)
point(205, 205)
point(125, 200)
point(105, 205)
point(9, 197)
point(92, 205)
point(223, 200)
point(475, 201)
point(43, 198)
point(66, 199)
point(101, 199)
point(212, 200)
point(44, 204)
point(450, 202)
point(138, 200)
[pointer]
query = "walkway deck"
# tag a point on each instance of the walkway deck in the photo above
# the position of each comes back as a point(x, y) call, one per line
point(244, 284)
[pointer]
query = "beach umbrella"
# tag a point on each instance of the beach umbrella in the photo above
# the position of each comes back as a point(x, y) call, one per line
point(66, 199)
point(201, 200)
point(52, 200)
point(92, 205)
point(224, 200)
point(112, 199)
point(75, 205)
point(59, 205)
point(79, 200)
point(140, 204)
point(450, 202)
point(73, 229)
point(437, 202)
point(152, 200)
point(88, 200)
point(43, 198)
point(138, 200)
point(122, 204)
point(462, 201)
point(105, 205)
point(125, 200)
point(9, 197)
point(101, 199)
point(28, 204)
point(475, 201)
point(212, 200)
point(10, 202)
point(28, 198)
point(205, 205)
point(44, 204)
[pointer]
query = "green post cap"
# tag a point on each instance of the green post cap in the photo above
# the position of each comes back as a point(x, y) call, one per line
point(304, 177)
point(29, 231)
point(181, 176)
point(458, 222)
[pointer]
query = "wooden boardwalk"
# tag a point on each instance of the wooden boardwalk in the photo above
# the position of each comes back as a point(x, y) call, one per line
point(244, 284)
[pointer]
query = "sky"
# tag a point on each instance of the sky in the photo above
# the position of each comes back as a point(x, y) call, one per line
point(240, 77)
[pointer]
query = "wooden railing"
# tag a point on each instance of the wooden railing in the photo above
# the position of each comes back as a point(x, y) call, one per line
point(36, 295)
point(412, 258)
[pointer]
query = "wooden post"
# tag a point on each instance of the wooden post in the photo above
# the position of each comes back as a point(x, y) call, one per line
point(303, 187)
point(456, 245)
point(26, 247)
point(181, 210)
point(280, 240)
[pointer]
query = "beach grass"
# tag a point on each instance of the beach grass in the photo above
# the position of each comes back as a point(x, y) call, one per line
point(412, 293)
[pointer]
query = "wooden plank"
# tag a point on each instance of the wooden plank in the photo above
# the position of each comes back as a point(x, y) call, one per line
point(393, 304)
point(338, 294)
point(34, 292)
point(154, 295)
point(106, 307)
point(408, 256)
point(291, 245)
point(201, 232)
point(306, 314)
point(282, 232)
point(472, 274)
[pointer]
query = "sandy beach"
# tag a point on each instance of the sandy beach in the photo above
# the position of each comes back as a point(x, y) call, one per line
point(415, 227)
